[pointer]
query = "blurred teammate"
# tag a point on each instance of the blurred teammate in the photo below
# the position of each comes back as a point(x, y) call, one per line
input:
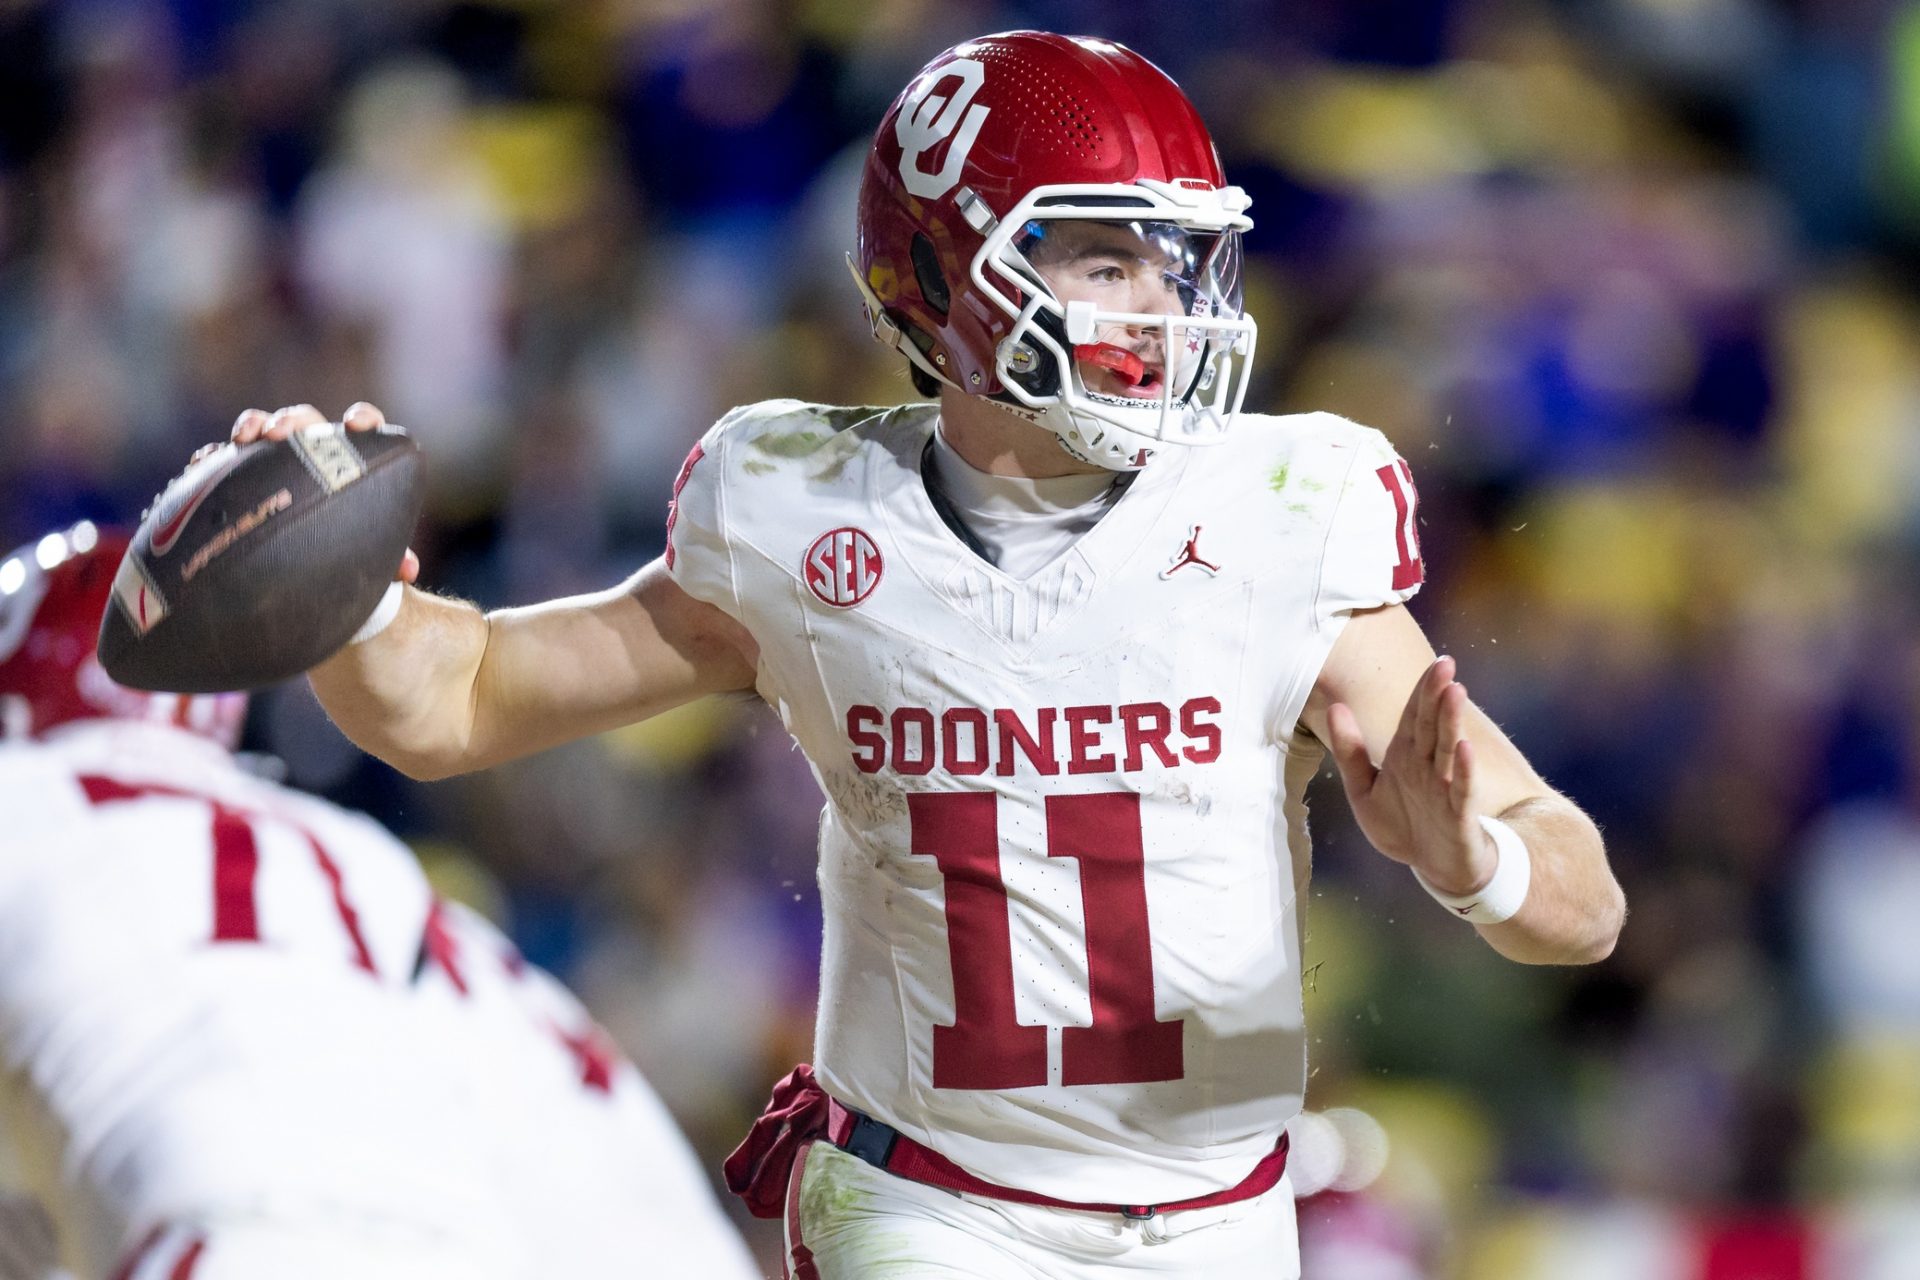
point(1063, 650)
point(240, 1038)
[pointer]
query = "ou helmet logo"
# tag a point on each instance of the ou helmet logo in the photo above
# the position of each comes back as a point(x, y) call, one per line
point(926, 119)
point(843, 567)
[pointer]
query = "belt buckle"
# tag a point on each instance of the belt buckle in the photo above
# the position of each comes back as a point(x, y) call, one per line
point(871, 1141)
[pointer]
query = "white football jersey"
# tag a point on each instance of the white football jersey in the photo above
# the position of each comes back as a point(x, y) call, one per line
point(205, 999)
point(225, 1002)
point(587, 1154)
point(1064, 837)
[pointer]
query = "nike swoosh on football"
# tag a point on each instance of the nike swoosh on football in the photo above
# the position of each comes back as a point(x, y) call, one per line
point(169, 532)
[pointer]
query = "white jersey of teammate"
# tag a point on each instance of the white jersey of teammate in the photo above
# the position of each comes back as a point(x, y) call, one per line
point(584, 1150)
point(221, 1061)
point(1064, 839)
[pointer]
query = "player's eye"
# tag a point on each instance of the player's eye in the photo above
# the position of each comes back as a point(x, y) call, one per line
point(1107, 275)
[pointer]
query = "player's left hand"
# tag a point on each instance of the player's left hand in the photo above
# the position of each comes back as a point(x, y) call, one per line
point(1419, 804)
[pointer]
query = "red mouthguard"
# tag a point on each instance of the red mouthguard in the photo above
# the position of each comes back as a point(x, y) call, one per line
point(1119, 359)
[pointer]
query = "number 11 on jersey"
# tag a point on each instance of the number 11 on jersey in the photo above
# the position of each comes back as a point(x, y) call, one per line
point(987, 1047)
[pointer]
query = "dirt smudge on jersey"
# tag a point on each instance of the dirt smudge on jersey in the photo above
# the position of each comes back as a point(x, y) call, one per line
point(1181, 793)
point(864, 800)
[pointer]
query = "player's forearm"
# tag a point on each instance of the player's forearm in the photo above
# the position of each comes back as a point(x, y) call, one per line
point(562, 670)
point(1574, 907)
point(446, 690)
point(407, 695)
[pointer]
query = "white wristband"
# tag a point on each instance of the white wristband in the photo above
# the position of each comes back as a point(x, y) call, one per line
point(1501, 897)
point(383, 614)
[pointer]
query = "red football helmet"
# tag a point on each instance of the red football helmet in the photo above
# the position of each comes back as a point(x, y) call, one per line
point(1001, 153)
point(52, 595)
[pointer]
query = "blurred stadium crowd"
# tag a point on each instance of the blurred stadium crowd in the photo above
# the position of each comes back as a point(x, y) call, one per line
point(1630, 283)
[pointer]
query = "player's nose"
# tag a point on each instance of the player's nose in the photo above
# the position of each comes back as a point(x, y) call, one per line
point(1145, 340)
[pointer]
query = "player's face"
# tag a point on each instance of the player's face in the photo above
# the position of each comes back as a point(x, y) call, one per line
point(1135, 268)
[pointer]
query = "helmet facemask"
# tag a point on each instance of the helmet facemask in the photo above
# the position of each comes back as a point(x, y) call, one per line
point(1128, 334)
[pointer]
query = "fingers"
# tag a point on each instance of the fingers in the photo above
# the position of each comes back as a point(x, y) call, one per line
point(258, 424)
point(1425, 706)
point(248, 426)
point(361, 416)
point(293, 418)
point(1349, 749)
point(1460, 784)
point(409, 567)
point(1450, 728)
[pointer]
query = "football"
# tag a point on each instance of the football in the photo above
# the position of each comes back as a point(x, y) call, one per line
point(261, 560)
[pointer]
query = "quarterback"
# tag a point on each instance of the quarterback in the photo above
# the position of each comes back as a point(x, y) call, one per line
point(241, 1038)
point(1063, 648)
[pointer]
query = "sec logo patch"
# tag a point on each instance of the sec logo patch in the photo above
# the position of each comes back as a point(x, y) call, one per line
point(843, 567)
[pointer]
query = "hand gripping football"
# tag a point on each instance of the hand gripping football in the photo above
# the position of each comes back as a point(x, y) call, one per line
point(261, 560)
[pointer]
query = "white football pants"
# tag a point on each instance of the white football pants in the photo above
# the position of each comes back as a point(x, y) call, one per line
point(847, 1220)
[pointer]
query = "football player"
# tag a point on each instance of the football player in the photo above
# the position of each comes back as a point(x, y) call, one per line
point(1063, 649)
point(240, 1037)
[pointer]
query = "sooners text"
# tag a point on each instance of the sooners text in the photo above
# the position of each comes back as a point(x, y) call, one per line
point(967, 741)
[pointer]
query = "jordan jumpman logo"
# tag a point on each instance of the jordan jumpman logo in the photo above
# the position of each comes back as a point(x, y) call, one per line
point(1190, 555)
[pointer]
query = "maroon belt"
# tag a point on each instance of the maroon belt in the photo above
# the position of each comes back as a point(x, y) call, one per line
point(884, 1147)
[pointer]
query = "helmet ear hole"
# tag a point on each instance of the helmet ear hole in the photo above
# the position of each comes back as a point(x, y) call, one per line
point(1033, 366)
point(926, 270)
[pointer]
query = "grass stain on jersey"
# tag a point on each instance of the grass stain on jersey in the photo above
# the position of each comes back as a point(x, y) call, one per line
point(831, 472)
point(809, 441)
point(1282, 477)
point(790, 444)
